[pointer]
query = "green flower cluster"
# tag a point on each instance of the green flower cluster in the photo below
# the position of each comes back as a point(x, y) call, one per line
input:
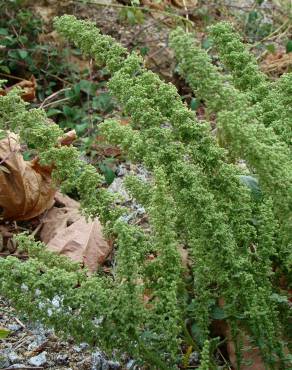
point(196, 201)
point(256, 130)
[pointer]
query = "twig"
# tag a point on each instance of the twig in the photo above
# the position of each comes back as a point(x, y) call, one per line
point(55, 102)
point(19, 322)
point(53, 95)
point(13, 77)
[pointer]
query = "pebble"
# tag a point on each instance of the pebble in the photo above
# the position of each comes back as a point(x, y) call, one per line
point(13, 327)
point(62, 359)
point(17, 366)
point(13, 357)
point(38, 360)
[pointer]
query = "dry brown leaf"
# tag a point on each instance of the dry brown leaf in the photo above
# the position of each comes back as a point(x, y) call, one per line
point(66, 232)
point(28, 87)
point(26, 190)
point(278, 62)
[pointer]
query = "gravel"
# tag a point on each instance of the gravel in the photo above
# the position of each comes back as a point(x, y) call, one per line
point(32, 345)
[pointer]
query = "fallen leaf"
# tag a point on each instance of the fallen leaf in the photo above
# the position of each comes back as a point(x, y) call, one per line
point(67, 232)
point(26, 189)
point(28, 87)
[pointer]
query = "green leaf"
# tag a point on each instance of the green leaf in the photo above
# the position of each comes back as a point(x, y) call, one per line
point(108, 173)
point(206, 43)
point(4, 333)
point(5, 69)
point(3, 31)
point(27, 156)
point(218, 313)
point(53, 112)
point(22, 53)
point(252, 183)
point(289, 46)
point(81, 128)
point(271, 48)
point(88, 87)
point(144, 50)
point(194, 104)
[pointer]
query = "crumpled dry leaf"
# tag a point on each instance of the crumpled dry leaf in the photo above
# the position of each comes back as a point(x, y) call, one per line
point(66, 232)
point(26, 189)
point(277, 63)
point(28, 87)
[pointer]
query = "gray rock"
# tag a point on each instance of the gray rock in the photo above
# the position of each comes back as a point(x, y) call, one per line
point(38, 360)
point(13, 327)
point(99, 362)
point(17, 366)
point(13, 357)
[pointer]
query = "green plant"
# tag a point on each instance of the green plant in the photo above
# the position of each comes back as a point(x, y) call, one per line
point(196, 198)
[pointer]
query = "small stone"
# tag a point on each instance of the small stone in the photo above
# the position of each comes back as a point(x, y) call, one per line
point(13, 357)
point(17, 366)
point(113, 365)
point(62, 359)
point(13, 327)
point(38, 360)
